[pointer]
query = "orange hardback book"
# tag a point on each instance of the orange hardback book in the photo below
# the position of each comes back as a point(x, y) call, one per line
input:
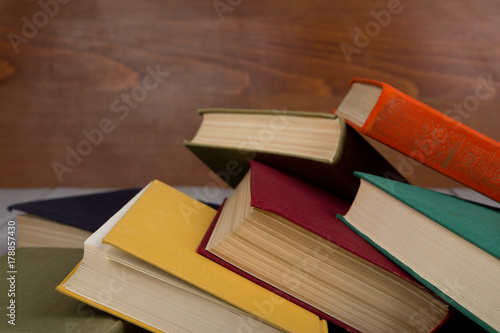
point(415, 129)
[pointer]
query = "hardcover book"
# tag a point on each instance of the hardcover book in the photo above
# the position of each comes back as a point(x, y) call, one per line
point(283, 233)
point(317, 147)
point(87, 212)
point(401, 122)
point(448, 244)
point(142, 266)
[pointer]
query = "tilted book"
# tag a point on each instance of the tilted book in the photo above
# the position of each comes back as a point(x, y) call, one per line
point(448, 244)
point(142, 266)
point(283, 233)
point(401, 122)
point(317, 147)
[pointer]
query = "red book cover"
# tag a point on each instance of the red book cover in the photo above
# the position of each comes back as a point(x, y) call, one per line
point(434, 139)
point(311, 208)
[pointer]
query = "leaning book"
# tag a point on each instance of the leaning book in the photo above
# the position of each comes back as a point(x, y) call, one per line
point(448, 244)
point(413, 128)
point(142, 266)
point(318, 147)
point(283, 233)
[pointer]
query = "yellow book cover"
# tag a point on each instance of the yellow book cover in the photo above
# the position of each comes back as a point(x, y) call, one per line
point(164, 228)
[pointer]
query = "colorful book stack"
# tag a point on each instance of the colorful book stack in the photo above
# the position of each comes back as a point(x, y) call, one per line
point(320, 233)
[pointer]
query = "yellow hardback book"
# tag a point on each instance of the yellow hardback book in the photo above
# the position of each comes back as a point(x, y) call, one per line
point(153, 241)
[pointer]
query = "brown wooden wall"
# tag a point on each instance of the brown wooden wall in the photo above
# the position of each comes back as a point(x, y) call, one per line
point(67, 67)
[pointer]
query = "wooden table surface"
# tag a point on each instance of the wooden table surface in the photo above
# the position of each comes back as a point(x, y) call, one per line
point(139, 69)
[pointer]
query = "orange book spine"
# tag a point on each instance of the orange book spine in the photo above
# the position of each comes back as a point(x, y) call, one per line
point(434, 139)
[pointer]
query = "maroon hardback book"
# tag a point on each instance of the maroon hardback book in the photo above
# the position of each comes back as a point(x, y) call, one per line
point(311, 208)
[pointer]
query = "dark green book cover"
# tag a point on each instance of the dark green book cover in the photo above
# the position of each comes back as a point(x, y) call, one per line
point(353, 153)
point(31, 303)
point(476, 224)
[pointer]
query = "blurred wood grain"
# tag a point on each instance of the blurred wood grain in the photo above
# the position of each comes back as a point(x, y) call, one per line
point(83, 59)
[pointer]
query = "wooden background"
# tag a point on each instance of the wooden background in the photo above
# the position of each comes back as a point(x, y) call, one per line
point(84, 57)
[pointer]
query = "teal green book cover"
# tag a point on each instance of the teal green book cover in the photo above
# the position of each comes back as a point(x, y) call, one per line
point(476, 223)
point(479, 225)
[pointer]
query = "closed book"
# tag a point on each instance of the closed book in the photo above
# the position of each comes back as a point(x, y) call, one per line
point(448, 244)
point(415, 129)
point(36, 306)
point(87, 212)
point(283, 233)
point(142, 266)
point(317, 147)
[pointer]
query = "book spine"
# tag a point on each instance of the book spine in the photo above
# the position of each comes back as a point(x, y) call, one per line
point(434, 139)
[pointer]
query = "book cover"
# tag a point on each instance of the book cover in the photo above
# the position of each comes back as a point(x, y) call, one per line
point(432, 236)
point(314, 210)
point(164, 228)
point(336, 174)
point(38, 307)
point(87, 212)
point(430, 137)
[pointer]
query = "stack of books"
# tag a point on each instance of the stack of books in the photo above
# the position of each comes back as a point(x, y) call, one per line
point(320, 233)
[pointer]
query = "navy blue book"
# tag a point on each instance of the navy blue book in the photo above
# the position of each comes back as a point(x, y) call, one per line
point(87, 212)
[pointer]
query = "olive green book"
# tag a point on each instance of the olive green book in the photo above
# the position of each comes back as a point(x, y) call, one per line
point(32, 304)
point(448, 244)
point(317, 147)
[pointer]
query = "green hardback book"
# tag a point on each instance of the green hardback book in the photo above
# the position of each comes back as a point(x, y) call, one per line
point(32, 304)
point(450, 245)
point(317, 147)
